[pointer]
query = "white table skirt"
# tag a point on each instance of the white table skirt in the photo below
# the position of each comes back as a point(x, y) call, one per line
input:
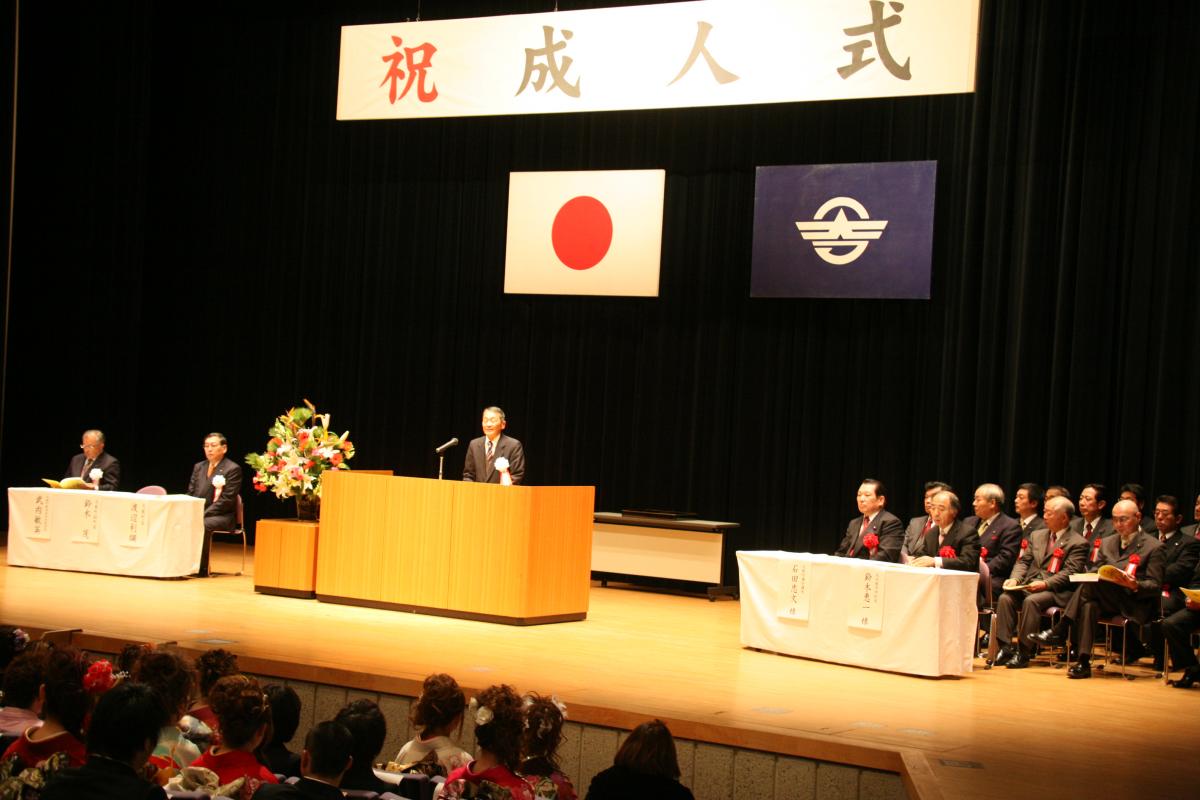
point(929, 616)
point(119, 533)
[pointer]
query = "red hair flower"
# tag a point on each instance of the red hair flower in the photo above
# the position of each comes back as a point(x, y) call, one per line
point(99, 678)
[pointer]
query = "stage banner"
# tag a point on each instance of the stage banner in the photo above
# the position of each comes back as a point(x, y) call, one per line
point(588, 233)
point(843, 230)
point(673, 55)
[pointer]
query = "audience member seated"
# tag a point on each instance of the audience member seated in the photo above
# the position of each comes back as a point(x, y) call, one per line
point(950, 544)
point(1040, 580)
point(22, 704)
point(544, 717)
point(211, 666)
point(1194, 528)
point(1181, 553)
point(1137, 493)
point(121, 735)
point(876, 533)
point(919, 526)
point(368, 728)
point(437, 712)
point(172, 679)
point(1136, 553)
point(13, 642)
point(324, 762)
point(245, 718)
point(1090, 524)
point(499, 719)
point(1059, 491)
point(999, 534)
point(645, 768)
point(285, 718)
point(1178, 629)
point(65, 705)
point(1028, 504)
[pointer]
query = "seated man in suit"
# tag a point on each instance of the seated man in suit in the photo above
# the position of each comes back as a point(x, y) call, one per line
point(1058, 491)
point(877, 534)
point(999, 534)
point(94, 457)
point(480, 464)
point(950, 543)
point(1178, 629)
point(1181, 555)
point(219, 481)
point(1028, 505)
point(326, 757)
point(919, 526)
point(1135, 552)
point(1194, 529)
point(1040, 579)
point(1137, 493)
point(1090, 523)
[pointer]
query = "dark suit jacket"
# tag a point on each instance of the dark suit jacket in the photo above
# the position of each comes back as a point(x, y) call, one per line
point(1191, 530)
point(477, 468)
point(1103, 528)
point(1144, 605)
point(1034, 524)
point(1181, 553)
point(1034, 564)
point(1003, 541)
point(306, 788)
point(222, 514)
point(913, 534)
point(112, 470)
point(886, 526)
point(962, 538)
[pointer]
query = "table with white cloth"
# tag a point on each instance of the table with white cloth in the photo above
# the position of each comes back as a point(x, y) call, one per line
point(893, 617)
point(119, 533)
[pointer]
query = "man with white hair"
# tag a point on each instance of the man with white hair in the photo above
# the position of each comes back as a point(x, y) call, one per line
point(93, 458)
point(950, 544)
point(999, 534)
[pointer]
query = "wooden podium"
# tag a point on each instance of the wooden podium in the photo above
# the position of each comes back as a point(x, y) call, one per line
point(518, 555)
point(285, 556)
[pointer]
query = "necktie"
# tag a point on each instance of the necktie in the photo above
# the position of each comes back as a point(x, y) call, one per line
point(941, 537)
point(490, 446)
point(928, 525)
point(1162, 537)
point(983, 528)
point(87, 466)
point(1087, 532)
point(1053, 540)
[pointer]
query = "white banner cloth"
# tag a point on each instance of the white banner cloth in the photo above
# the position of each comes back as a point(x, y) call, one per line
point(118, 533)
point(928, 624)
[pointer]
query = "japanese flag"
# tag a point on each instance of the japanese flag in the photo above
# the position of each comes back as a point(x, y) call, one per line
point(597, 232)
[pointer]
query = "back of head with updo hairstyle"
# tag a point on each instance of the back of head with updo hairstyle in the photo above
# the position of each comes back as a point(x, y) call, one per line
point(440, 702)
point(170, 676)
point(501, 735)
point(285, 712)
point(23, 678)
point(212, 665)
point(66, 699)
point(543, 735)
point(241, 708)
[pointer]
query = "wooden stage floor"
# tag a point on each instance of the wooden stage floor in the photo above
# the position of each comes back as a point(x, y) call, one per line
point(642, 654)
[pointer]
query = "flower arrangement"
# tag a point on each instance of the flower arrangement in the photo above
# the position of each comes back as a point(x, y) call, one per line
point(300, 449)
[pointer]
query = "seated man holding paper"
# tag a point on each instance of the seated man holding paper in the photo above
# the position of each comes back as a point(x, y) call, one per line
point(950, 543)
point(1040, 579)
point(219, 481)
point(1178, 629)
point(1130, 570)
point(94, 466)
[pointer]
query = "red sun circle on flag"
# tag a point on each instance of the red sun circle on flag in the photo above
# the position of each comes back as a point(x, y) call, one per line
point(582, 232)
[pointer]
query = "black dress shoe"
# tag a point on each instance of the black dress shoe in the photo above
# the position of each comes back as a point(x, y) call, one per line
point(1066, 656)
point(1189, 677)
point(1004, 656)
point(1080, 670)
point(1019, 661)
point(1050, 637)
point(984, 641)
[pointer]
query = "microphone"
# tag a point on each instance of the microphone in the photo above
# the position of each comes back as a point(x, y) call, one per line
point(447, 445)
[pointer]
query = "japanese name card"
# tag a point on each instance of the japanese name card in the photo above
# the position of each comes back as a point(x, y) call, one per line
point(866, 599)
point(792, 588)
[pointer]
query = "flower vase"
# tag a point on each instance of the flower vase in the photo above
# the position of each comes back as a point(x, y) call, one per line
point(308, 507)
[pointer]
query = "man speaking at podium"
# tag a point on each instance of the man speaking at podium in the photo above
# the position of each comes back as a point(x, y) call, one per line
point(480, 465)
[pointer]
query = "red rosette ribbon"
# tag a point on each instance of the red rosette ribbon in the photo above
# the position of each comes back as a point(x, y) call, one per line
point(1166, 590)
point(1095, 550)
point(947, 552)
point(99, 678)
point(983, 553)
point(1134, 560)
point(1056, 559)
point(1024, 546)
point(871, 541)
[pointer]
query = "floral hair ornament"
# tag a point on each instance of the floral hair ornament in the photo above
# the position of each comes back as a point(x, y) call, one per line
point(482, 714)
point(544, 726)
point(99, 677)
point(20, 640)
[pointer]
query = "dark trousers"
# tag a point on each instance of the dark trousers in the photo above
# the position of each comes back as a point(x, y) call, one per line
point(1177, 629)
point(1031, 606)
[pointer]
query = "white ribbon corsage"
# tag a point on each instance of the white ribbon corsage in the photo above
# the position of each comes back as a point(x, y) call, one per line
point(482, 714)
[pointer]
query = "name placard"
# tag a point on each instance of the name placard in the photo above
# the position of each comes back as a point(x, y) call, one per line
point(866, 599)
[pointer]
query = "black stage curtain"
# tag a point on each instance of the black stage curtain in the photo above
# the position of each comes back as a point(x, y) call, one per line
point(199, 245)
